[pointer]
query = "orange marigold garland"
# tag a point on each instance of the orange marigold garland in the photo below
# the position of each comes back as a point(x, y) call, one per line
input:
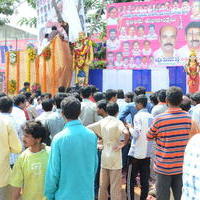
point(46, 53)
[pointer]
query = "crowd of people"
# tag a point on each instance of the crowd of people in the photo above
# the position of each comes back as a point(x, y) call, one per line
point(83, 144)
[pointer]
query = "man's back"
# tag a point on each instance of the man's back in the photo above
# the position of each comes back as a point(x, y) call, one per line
point(171, 130)
point(73, 163)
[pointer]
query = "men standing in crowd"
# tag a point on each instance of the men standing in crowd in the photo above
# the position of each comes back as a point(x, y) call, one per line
point(73, 159)
point(171, 132)
point(26, 88)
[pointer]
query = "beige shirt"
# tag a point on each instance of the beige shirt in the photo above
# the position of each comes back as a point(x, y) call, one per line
point(9, 142)
point(88, 112)
point(110, 129)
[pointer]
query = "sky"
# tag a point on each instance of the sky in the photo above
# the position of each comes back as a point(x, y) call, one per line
point(24, 10)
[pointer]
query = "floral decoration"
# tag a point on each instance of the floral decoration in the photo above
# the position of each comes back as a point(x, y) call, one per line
point(31, 53)
point(13, 57)
point(35, 87)
point(12, 86)
point(46, 53)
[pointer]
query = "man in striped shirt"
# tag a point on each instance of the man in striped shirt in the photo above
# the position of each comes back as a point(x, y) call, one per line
point(171, 132)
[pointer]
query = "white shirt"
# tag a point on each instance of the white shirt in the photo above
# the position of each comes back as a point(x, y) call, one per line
point(43, 116)
point(140, 147)
point(113, 44)
point(146, 52)
point(111, 21)
point(196, 113)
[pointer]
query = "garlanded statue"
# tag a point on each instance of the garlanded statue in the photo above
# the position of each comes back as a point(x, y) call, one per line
point(192, 69)
point(82, 57)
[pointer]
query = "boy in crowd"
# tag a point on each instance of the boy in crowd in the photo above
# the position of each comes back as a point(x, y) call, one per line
point(27, 179)
point(140, 150)
point(114, 136)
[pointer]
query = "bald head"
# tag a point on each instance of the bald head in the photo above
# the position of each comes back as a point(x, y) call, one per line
point(168, 40)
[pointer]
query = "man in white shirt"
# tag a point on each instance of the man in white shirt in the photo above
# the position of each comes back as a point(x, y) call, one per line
point(167, 49)
point(141, 150)
point(192, 33)
point(113, 43)
point(112, 16)
point(147, 51)
point(88, 108)
point(118, 61)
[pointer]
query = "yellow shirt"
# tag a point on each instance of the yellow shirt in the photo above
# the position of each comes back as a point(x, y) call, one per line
point(9, 143)
point(29, 174)
point(110, 129)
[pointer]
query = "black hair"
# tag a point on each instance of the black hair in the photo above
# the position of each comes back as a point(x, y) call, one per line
point(58, 99)
point(112, 109)
point(112, 30)
point(162, 95)
point(20, 98)
point(98, 96)
point(196, 97)
point(47, 105)
point(110, 93)
point(102, 104)
point(69, 89)
point(154, 98)
point(192, 25)
point(2, 94)
point(61, 89)
point(46, 35)
point(27, 94)
point(77, 95)
point(185, 104)
point(71, 108)
point(129, 95)
point(54, 28)
point(6, 103)
point(111, 8)
point(49, 95)
point(141, 99)
point(141, 26)
point(36, 129)
point(120, 94)
point(86, 92)
point(140, 90)
point(93, 89)
point(26, 84)
point(174, 95)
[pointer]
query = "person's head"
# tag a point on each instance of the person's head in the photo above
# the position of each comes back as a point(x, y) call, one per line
point(126, 60)
point(47, 105)
point(192, 32)
point(151, 59)
point(98, 96)
point(196, 8)
point(138, 60)
point(162, 95)
point(6, 104)
point(101, 108)
point(140, 101)
point(86, 92)
point(47, 95)
point(136, 45)
point(140, 90)
point(112, 109)
point(111, 95)
point(58, 99)
point(168, 36)
point(126, 46)
point(61, 89)
point(46, 36)
point(20, 101)
point(71, 108)
point(34, 134)
point(132, 30)
point(185, 103)
point(195, 98)
point(147, 44)
point(154, 98)
point(174, 96)
point(144, 60)
point(54, 28)
point(113, 34)
point(110, 57)
point(140, 30)
point(112, 11)
point(120, 94)
point(93, 89)
point(119, 56)
point(151, 28)
point(129, 97)
point(26, 85)
point(2, 94)
point(175, 3)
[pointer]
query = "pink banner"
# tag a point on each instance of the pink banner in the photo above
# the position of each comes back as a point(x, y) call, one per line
point(152, 34)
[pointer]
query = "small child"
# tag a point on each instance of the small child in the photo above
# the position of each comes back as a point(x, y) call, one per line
point(27, 179)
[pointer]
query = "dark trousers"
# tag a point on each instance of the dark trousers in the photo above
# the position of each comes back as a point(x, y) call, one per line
point(165, 182)
point(141, 166)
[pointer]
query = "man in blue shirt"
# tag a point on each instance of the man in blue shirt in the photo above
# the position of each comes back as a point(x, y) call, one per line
point(73, 160)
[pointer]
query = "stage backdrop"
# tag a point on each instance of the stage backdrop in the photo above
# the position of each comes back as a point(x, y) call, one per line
point(152, 34)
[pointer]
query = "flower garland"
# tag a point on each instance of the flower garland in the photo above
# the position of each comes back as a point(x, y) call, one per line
point(12, 86)
point(46, 53)
point(31, 54)
point(35, 87)
point(13, 57)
